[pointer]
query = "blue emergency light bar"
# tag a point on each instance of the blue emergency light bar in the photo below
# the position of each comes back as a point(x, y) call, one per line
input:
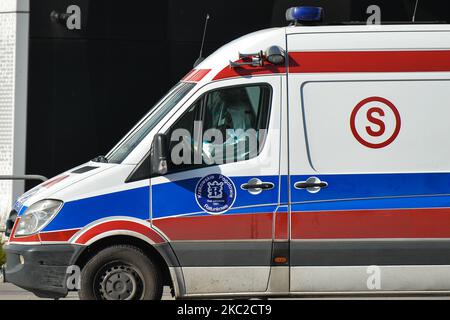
point(304, 14)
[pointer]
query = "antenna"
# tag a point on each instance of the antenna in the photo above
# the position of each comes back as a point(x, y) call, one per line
point(200, 57)
point(415, 11)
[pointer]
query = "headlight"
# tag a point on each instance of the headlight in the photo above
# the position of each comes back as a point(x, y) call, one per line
point(37, 216)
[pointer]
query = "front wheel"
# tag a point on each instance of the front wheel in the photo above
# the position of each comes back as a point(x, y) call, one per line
point(120, 273)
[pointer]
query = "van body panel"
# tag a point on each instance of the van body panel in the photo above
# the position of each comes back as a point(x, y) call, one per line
point(366, 106)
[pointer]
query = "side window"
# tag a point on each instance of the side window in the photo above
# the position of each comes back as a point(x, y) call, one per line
point(223, 126)
point(182, 136)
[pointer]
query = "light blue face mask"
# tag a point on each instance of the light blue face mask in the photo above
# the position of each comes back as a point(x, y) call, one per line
point(233, 149)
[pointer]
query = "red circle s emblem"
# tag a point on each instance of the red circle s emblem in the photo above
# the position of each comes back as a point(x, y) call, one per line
point(379, 110)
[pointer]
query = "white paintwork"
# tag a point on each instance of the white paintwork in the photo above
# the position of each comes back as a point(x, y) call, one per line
point(76, 182)
point(378, 41)
point(355, 278)
point(225, 279)
point(387, 29)
point(279, 279)
point(327, 109)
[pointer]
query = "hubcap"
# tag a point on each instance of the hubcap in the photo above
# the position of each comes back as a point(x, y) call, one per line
point(120, 282)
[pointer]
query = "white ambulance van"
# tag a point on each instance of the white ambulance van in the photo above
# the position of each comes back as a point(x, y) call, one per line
point(302, 160)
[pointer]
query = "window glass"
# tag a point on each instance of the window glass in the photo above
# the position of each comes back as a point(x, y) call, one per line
point(132, 139)
point(182, 137)
point(223, 126)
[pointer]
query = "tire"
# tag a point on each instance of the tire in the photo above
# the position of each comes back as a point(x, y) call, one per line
point(121, 272)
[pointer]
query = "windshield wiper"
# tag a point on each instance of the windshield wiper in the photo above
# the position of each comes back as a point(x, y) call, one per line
point(101, 159)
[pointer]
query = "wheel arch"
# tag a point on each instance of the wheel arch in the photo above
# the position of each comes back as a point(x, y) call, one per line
point(149, 249)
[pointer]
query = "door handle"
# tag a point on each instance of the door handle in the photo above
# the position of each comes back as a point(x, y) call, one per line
point(263, 186)
point(306, 185)
point(255, 186)
point(312, 185)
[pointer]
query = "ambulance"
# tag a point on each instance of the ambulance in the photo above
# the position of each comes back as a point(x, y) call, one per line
point(332, 177)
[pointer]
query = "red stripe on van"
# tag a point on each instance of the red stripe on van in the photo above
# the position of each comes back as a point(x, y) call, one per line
point(369, 61)
point(350, 61)
point(219, 227)
point(281, 226)
point(245, 71)
point(366, 224)
point(195, 75)
point(188, 75)
point(117, 225)
point(58, 236)
point(54, 180)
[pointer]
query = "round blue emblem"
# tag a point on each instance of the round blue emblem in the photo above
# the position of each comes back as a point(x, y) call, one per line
point(215, 193)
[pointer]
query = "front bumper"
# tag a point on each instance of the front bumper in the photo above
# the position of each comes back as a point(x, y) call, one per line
point(42, 268)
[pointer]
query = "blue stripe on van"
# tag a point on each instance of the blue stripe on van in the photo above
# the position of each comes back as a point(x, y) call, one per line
point(77, 214)
point(178, 197)
point(345, 192)
point(354, 186)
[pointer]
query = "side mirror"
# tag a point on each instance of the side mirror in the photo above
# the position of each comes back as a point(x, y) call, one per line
point(159, 154)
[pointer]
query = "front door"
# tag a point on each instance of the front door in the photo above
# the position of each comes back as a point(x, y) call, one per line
point(217, 202)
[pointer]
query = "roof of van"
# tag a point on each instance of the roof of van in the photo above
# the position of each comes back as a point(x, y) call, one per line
point(216, 66)
point(367, 28)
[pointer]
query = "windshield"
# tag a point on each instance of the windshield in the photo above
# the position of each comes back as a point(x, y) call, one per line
point(133, 138)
